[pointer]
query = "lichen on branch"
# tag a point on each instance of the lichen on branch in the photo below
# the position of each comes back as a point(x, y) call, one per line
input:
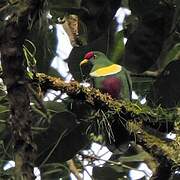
point(134, 114)
point(99, 100)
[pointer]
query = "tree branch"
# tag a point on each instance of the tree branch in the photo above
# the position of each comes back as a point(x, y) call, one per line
point(167, 153)
point(73, 169)
point(106, 102)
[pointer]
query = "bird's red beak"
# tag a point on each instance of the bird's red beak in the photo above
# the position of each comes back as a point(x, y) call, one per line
point(83, 62)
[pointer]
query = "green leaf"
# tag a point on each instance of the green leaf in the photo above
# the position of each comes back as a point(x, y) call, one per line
point(62, 140)
point(4, 115)
point(45, 41)
point(54, 106)
point(142, 85)
point(4, 109)
point(6, 174)
point(109, 172)
point(173, 54)
point(165, 90)
point(54, 171)
point(54, 72)
point(118, 47)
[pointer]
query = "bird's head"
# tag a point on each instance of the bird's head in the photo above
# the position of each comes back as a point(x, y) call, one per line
point(93, 57)
point(87, 63)
point(88, 58)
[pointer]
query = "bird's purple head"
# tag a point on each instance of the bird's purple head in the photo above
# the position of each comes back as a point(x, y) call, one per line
point(89, 55)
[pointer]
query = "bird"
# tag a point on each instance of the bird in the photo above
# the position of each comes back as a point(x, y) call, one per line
point(115, 80)
point(106, 76)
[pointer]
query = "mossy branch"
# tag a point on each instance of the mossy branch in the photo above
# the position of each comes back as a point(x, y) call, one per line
point(99, 100)
point(167, 153)
point(135, 115)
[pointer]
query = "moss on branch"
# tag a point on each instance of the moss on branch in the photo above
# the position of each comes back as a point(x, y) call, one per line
point(135, 115)
point(159, 148)
point(99, 100)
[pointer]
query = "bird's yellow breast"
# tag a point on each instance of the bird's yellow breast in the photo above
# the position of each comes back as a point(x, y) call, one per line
point(105, 71)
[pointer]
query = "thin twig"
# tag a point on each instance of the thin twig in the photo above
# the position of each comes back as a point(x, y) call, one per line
point(4, 7)
point(54, 147)
point(113, 162)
